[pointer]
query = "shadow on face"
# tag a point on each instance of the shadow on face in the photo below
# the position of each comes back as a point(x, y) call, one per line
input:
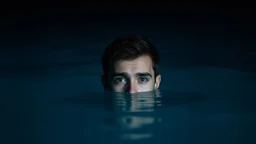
point(132, 76)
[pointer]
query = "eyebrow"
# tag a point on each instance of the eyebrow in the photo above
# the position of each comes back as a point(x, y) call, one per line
point(143, 74)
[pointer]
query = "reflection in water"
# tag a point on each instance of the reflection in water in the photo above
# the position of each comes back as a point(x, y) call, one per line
point(134, 114)
point(148, 116)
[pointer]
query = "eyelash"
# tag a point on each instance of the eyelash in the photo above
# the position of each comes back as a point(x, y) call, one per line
point(145, 79)
point(115, 81)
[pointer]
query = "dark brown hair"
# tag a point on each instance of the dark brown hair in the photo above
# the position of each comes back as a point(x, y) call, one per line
point(129, 48)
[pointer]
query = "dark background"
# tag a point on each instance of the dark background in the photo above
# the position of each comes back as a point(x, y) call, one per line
point(34, 40)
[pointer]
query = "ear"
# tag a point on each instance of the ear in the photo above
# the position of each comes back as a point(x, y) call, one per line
point(158, 81)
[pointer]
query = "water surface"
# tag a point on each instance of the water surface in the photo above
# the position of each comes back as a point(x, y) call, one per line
point(196, 105)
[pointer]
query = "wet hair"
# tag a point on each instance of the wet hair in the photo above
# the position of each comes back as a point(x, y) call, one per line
point(129, 48)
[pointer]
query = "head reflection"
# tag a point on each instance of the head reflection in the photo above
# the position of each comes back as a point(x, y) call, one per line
point(134, 112)
point(137, 102)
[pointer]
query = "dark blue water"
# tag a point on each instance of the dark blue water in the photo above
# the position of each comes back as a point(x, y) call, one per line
point(194, 105)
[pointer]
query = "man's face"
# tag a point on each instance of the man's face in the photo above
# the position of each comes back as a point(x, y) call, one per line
point(134, 76)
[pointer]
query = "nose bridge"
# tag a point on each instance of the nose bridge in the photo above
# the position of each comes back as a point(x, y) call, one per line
point(132, 87)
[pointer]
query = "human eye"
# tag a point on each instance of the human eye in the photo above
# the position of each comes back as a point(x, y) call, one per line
point(143, 79)
point(119, 80)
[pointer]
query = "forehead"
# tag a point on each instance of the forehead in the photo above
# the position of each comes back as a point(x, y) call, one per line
point(140, 64)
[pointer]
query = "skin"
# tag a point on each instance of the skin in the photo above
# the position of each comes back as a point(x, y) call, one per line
point(132, 76)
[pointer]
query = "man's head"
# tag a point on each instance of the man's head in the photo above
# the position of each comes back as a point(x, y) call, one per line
point(130, 64)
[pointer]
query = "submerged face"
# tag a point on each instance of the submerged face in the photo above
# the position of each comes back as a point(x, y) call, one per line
point(133, 76)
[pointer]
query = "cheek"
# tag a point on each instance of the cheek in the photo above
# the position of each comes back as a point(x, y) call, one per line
point(118, 88)
point(146, 87)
